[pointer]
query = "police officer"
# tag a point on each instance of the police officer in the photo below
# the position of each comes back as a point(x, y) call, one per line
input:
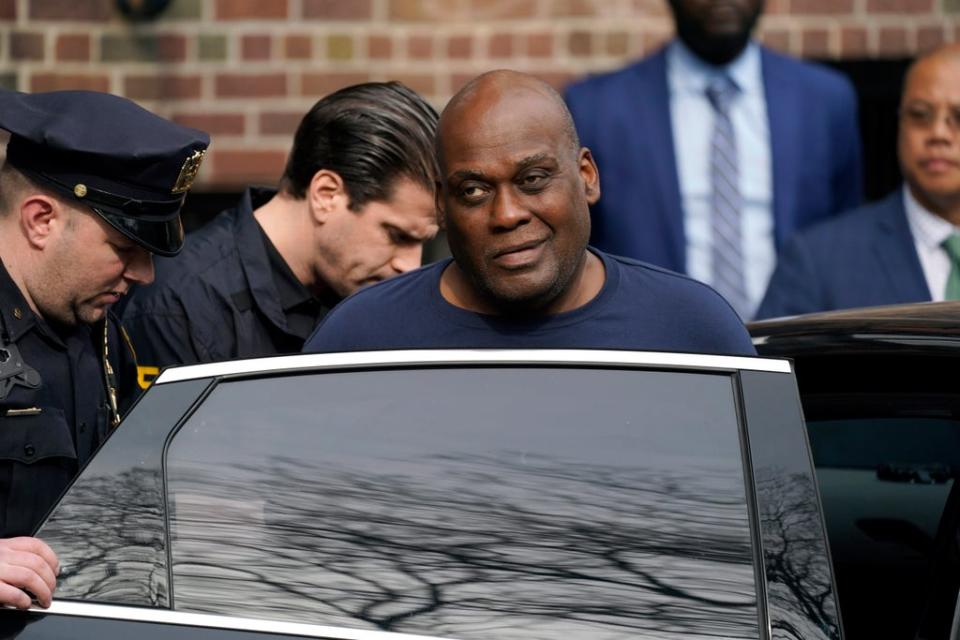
point(92, 185)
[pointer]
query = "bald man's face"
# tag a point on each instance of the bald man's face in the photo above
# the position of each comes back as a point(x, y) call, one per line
point(928, 142)
point(515, 197)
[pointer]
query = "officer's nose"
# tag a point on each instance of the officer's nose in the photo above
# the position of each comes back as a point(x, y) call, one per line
point(140, 268)
point(407, 258)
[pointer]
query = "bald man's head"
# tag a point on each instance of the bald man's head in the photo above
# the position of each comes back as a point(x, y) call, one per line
point(494, 86)
point(515, 195)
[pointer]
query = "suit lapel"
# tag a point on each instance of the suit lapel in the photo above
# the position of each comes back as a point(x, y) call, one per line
point(651, 149)
point(784, 104)
point(896, 253)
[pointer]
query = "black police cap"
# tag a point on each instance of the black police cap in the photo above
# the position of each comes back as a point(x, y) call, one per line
point(129, 165)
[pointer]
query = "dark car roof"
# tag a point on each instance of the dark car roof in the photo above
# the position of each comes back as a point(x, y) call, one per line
point(920, 325)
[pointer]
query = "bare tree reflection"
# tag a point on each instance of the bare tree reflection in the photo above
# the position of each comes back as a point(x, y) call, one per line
point(798, 574)
point(506, 547)
point(123, 555)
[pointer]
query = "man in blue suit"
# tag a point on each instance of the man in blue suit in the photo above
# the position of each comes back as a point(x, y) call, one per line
point(651, 128)
point(905, 248)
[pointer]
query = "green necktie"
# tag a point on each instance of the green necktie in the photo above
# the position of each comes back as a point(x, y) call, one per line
point(952, 246)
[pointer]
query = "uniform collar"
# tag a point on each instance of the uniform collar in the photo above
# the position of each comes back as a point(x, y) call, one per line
point(18, 318)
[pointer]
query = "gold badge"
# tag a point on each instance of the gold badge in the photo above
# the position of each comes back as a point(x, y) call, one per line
point(188, 172)
point(80, 190)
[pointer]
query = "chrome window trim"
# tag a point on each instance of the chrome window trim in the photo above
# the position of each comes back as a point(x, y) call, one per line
point(166, 616)
point(302, 362)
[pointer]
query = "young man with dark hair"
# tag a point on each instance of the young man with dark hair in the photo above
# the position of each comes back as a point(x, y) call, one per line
point(355, 206)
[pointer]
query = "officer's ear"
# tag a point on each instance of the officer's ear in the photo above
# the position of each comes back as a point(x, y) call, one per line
point(326, 195)
point(40, 218)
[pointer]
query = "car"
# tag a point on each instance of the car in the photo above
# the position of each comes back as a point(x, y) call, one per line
point(461, 494)
point(882, 404)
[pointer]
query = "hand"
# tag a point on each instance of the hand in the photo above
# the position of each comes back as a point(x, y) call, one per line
point(27, 564)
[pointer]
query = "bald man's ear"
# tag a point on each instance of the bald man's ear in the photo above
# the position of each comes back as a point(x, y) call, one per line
point(41, 217)
point(590, 175)
point(326, 195)
point(438, 202)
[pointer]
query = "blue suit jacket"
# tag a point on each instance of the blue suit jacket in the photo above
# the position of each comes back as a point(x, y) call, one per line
point(624, 118)
point(863, 258)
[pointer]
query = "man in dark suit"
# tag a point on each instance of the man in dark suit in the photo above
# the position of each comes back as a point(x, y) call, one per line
point(906, 247)
point(656, 131)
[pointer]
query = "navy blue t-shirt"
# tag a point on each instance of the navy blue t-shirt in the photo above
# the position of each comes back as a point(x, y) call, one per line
point(639, 307)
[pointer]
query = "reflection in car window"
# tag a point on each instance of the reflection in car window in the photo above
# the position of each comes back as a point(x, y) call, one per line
point(473, 503)
point(884, 483)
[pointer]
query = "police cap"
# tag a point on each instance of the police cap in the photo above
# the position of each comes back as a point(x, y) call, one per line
point(130, 166)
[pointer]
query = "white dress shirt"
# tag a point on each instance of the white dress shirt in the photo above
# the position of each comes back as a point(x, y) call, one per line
point(692, 120)
point(929, 231)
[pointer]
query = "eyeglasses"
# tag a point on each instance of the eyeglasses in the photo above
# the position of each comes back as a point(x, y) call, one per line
point(924, 116)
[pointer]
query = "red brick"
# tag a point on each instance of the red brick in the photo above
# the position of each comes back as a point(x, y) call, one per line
point(815, 43)
point(893, 42)
point(379, 47)
point(255, 47)
point(500, 45)
point(778, 39)
point(577, 8)
point(460, 47)
point(337, 9)
point(580, 43)
point(423, 83)
point(929, 38)
point(73, 47)
point(60, 81)
point(273, 123)
point(539, 45)
point(252, 85)
point(420, 47)
point(77, 10)
point(424, 10)
point(171, 48)
point(217, 124)
point(321, 84)
point(557, 79)
point(617, 43)
point(162, 87)
point(776, 7)
point(815, 7)
point(8, 9)
point(251, 9)
point(297, 47)
point(240, 167)
point(899, 6)
point(497, 9)
point(26, 46)
point(854, 42)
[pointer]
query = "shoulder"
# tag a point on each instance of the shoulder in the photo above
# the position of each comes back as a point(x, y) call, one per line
point(810, 74)
point(667, 286)
point(388, 307)
point(614, 80)
point(851, 227)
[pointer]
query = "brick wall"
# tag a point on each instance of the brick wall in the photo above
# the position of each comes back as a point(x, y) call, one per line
point(246, 70)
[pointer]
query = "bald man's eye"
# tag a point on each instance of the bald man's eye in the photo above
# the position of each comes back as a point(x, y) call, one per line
point(471, 193)
point(534, 182)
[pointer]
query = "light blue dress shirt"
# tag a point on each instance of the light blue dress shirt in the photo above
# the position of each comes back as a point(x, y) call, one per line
point(692, 120)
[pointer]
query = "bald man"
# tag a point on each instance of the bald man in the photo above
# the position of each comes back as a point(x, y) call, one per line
point(514, 194)
point(905, 248)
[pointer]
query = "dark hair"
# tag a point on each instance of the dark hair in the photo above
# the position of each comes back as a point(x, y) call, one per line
point(369, 134)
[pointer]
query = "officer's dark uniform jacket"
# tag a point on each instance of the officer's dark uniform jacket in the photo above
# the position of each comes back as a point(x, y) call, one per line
point(47, 433)
point(228, 295)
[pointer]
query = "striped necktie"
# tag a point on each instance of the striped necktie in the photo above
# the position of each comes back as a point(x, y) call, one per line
point(952, 246)
point(725, 200)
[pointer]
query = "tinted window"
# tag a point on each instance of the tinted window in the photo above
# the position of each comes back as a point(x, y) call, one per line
point(474, 503)
point(885, 482)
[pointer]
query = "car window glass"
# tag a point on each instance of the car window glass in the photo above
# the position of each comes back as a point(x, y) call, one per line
point(472, 503)
point(884, 483)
